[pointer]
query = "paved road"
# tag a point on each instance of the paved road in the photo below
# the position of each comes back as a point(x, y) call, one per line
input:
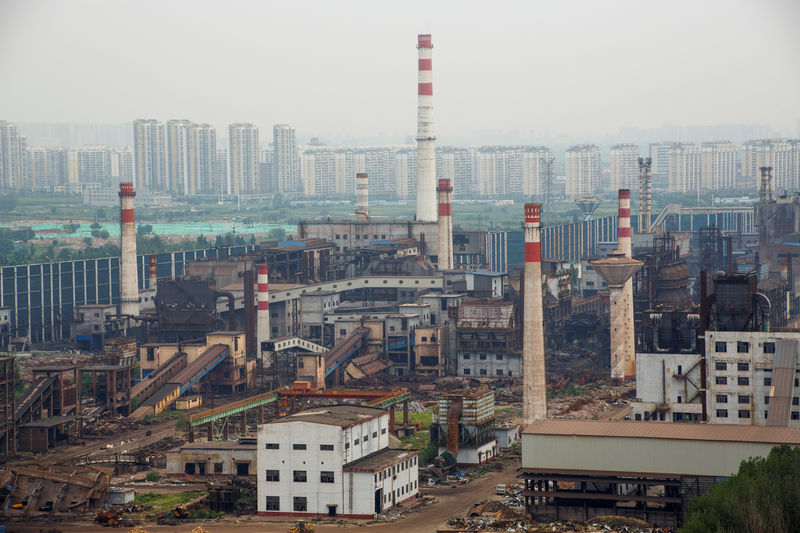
point(454, 501)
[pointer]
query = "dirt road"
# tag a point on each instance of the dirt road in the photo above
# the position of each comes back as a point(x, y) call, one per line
point(453, 501)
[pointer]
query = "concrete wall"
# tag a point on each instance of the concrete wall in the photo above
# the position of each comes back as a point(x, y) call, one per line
point(473, 455)
point(398, 484)
point(228, 457)
point(651, 455)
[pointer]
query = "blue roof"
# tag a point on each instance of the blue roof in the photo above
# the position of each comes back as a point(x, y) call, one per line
point(300, 244)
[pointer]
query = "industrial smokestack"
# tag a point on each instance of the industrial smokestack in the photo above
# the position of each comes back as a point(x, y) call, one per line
point(152, 271)
point(362, 197)
point(534, 393)
point(617, 270)
point(262, 318)
point(426, 157)
point(766, 185)
point(445, 238)
point(128, 275)
point(645, 216)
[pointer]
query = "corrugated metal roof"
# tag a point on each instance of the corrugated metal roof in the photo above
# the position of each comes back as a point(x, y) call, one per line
point(333, 415)
point(665, 430)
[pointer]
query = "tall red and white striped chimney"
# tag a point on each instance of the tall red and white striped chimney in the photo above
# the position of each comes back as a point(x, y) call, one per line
point(534, 391)
point(445, 237)
point(627, 363)
point(128, 275)
point(426, 154)
point(262, 317)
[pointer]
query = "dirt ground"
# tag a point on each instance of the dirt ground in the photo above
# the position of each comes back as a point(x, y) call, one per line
point(453, 501)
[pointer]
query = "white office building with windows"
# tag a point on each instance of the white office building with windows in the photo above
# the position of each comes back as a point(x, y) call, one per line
point(332, 461)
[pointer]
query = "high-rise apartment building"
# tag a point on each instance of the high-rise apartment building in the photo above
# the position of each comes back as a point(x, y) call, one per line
point(266, 177)
point(318, 166)
point(457, 165)
point(243, 157)
point(223, 181)
point(582, 169)
point(624, 159)
point(178, 156)
point(150, 155)
point(719, 165)
point(511, 170)
point(783, 155)
point(47, 167)
point(379, 163)
point(405, 168)
point(284, 160)
point(13, 158)
point(90, 165)
point(122, 165)
point(659, 155)
point(685, 168)
point(202, 159)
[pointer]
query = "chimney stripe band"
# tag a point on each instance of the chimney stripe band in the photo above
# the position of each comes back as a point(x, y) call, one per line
point(425, 89)
point(533, 252)
point(127, 216)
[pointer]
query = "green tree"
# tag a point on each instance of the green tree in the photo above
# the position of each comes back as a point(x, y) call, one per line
point(100, 214)
point(276, 234)
point(763, 496)
point(104, 234)
point(144, 229)
point(71, 227)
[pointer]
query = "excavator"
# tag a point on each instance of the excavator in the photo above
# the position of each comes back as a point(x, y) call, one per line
point(301, 527)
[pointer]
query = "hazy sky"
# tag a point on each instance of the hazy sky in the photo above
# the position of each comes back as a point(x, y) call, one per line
point(330, 67)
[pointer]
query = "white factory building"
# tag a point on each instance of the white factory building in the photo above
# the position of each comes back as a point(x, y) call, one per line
point(749, 374)
point(332, 461)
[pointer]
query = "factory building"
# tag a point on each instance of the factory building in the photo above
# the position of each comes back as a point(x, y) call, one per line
point(463, 426)
point(487, 343)
point(217, 459)
point(332, 461)
point(578, 469)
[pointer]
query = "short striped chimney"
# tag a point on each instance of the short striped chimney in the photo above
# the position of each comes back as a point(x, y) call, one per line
point(426, 151)
point(128, 274)
point(534, 391)
point(445, 237)
point(262, 317)
point(624, 222)
point(152, 271)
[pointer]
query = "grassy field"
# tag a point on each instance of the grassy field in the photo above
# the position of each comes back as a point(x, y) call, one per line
point(164, 502)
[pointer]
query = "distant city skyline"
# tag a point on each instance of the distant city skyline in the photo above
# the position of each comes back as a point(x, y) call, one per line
point(346, 72)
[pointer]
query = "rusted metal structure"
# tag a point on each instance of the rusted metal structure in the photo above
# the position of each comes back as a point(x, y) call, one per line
point(463, 425)
point(7, 406)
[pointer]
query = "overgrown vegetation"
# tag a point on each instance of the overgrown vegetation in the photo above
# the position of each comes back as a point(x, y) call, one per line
point(152, 475)
point(165, 502)
point(763, 496)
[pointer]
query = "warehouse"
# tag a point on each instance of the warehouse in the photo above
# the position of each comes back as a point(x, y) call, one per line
point(577, 469)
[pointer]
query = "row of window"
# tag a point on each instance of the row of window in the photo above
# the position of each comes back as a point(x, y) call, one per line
point(723, 413)
point(300, 476)
point(742, 347)
point(396, 469)
point(296, 446)
point(484, 372)
point(723, 365)
point(300, 503)
point(366, 236)
point(405, 489)
point(482, 357)
point(744, 398)
point(744, 381)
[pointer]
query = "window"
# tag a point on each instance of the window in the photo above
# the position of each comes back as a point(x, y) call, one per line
point(374, 434)
point(383, 431)
point(365, 438)
point(273, 503)
point(722, 380)
point(217, 468)
point(721, 346)
point(766, 400)
point(346, 445)
point(767, 382)
point(744, 398)
point(483, 371)
point(743, 367)
point(680, 369)
point(466, 356)
point(795, 415)
point(482, 357)
point(272, 446)
point(499, 357)
point(722, 398)
point(722, 413)
point(721, 365)
point(466, 371)
point(795, 401)
point(342, 332)
point(499, 371)
point(298, 446)
point(769, 347)
point(300, 504)
point(273, 475)
point(355, 442)
point(743, 381)
point(742, 347)
point(424, 339)
point(326, 447)
point(299, 476)
point(744, 413)
point(326, 477)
